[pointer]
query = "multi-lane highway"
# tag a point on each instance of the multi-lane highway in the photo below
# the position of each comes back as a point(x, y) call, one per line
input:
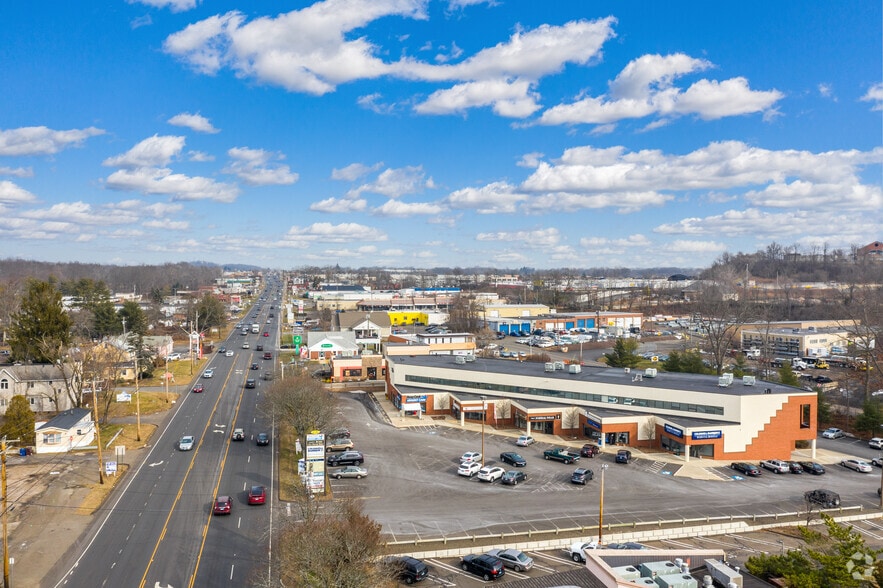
point(159, 529)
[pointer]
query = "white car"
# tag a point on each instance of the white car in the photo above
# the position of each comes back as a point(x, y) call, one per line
point(857, 465)
point(229, 353)
point(173, 356)
point(471, 457)
point(776, 465)
point(208, 373)
point(525, 440)
point(876, 443)
point(576, 550)
point(490, 473)
point(833, 433)
point(186, 443)
point(468, 469)
point(246, 345)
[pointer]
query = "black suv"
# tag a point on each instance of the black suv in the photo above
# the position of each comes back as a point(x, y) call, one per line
point(623, 456)
point(346, 458)
point(486, 566)
point(581, 476)
point(409, 569)
point(827, 498)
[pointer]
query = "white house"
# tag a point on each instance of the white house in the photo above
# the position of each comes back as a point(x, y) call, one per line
point(42, 384)
point(71, 429)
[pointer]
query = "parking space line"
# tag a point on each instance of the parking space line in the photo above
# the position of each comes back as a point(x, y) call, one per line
point(677, 543)
point(866, 532)
point(457, 571)
point(563, 559)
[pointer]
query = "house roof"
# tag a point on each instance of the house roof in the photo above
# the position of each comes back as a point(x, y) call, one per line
point(66, 419)
point(34, 373)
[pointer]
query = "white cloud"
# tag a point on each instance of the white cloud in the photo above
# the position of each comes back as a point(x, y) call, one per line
point(254, 167)
point(13, 193)
point(636, 240)
point(340, 205)
point(494, 198)
point(826, 91)
point(167, 224)
point(539, 238)
point(342, 233)
point(200, 156)
point(153, 151)
point(81, 213)
point(645, 87)
point(26, 141)
point(353, 171)
point(530, 160)
point(397, 208)
point(195, 122)
point(512, 99)
point(161, 181)
point(875, 95)
point(682, 246)
point(172, 5)
point(394, 183)
point(17, 172)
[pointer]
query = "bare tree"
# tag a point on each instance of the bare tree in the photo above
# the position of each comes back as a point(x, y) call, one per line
point(502, 409)
point(648, 429)
point(301, 402)
point(720, 311)
point(570, 418)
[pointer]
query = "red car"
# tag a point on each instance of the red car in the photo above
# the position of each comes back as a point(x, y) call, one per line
point(257, 495)
point(266, 334)
point(223, 505)
point(268, 355)
point(198, 388)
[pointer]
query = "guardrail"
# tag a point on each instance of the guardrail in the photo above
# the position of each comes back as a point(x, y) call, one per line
point(761, 520)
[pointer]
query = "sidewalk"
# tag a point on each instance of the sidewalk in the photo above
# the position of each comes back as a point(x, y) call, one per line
point(696, 468)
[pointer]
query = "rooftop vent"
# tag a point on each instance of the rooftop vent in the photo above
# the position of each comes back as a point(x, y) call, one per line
point(574, 368)
point(749, 380)
point(549, 366)
point(650, 373)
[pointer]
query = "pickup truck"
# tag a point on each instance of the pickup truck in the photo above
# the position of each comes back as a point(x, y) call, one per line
point(561, 454)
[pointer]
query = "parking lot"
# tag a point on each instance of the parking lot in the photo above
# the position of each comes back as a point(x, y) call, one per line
point(414, 491)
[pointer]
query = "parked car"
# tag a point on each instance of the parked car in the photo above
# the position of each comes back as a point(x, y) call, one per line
point(341, 444)
point(525, 440)
point(262, 439)
point(484, 565)
point(623, 456)
point(857, 465)
point(581, 476)
point(626, 545)
point(470, 456)
point(198, 388)
point(339, 432)
point(208, 373)
point(351, 472)
point(876, 443)
point(408, 569)
point(589, 450)
point(186, 443)
point(812, 467)
point(346, 458)
point(257, 495)
point(172, 356)
point(776, 465)
point(513, 458)
point(577, 549)
point(468, 468)
point(513, 477)
point(746, 468)
point(795, 467)
point(833, 433)
point(513, 558)
point(490, 473)
point(223, 505)
point(827, 498)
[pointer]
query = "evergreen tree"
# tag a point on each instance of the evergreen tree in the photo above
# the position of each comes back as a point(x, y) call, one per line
point(787, 375)
point(870, 419)
point(105, 320)
point(211, 312)
point(41, 329)
point(623, 354)
point(823, 412)
point(19, 421)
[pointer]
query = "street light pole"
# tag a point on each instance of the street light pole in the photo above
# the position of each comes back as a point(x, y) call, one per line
point(601, 507)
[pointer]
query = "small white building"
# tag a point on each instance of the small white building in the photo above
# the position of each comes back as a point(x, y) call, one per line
point(69, 430)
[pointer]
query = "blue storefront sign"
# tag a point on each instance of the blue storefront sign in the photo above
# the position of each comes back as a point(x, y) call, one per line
point(673, 430)
point(410, 399)
point(593, 424)
point(703, 435)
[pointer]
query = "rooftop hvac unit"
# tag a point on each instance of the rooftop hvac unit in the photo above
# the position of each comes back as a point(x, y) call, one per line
point(650, 373)
point(574, 368)
point(627, 572)
point(749, 380)
point(459, 359)
point(559, 365)
point(644, 582)
point(549, 366)
point(627, 370)
point(470, 357)
point(723, 573)
point(651, 569)
point(677, 581)
point(723, 382)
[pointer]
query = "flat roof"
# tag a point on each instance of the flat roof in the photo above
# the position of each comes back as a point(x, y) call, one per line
point(601, 375)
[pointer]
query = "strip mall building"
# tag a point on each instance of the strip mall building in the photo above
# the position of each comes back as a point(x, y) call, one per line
point(689, 414)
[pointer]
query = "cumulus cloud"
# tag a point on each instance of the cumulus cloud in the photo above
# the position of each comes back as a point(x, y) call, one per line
point(645, 87)
point(340, 205)
point(11, 193)
point(195, 122)
point(81, 213)
point(511, 99)
point(875, 95)
point(154, 151)
point(540, 238)
point(329, 233)
point(27, 141)
point(354, 171)
point(396, 182)
point(256, 167)
point(179, 187)
point(17, 172)
point(494, 198)
point(397, 208)
point(172, 5)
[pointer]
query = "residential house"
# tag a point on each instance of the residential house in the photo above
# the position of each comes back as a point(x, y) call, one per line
point(322, 346)
point(69, 430)
point(42, 384)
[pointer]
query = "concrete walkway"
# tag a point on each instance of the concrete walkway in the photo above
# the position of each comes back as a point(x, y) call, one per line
point(696, 468)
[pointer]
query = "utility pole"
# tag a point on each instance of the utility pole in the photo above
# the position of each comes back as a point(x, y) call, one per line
point(137, 403)
point(97, 432)
point(5, 513)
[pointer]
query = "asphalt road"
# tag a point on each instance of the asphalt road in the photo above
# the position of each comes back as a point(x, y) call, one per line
point(159, 530)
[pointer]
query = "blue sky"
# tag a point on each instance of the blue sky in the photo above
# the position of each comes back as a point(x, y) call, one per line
point(420, 133)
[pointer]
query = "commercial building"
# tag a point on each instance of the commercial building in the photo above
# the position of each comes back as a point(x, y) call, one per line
point(690, 414)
